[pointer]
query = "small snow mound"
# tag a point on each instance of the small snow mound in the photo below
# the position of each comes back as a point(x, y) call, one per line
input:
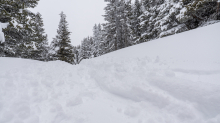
point(74, 102)
point(132, 111)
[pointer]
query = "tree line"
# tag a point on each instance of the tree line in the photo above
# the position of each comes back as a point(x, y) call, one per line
point(126, 24)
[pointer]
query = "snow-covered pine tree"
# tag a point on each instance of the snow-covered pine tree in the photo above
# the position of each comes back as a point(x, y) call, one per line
point(61, 48)
point(83, 49)
point(135, 22)
point(76, 51)
point(27, 3)
point(126, 13)
point(146, 23)
point(53, 49)
point(110, 26)
point(166, 21)
point(7, 10)
point(12, 38)
point(118, 21)
point(117, 29)
point(159, 19)
point(89, 47)
point(4, 18)
point(97, 39)
point(154, 13)
point(25, 27)
point(194, 13)
point(18, 17)
point(40, 41)
point(101, 38)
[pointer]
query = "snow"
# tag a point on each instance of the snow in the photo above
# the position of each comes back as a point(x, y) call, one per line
point(209, 23)
point(182, 15)
point(170, 31)
point(169, 80)
point(2, 36)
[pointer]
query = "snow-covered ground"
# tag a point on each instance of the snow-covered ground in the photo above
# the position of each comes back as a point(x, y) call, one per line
point(171, 80)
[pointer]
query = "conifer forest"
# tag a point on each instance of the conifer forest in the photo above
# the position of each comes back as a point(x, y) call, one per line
point(127, 23)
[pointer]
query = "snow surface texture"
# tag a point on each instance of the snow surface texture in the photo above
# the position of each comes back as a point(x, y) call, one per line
point(171, 80)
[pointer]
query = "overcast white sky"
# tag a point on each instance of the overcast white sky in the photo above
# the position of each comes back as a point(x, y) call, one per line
point(81, 16)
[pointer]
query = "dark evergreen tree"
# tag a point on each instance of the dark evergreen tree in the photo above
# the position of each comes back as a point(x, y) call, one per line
point(61, 45)
point(118, 23)
point(76, 51)
point(53, 49)
point(146, 21)
point(98, 40)
point(9, 10)
point(135, 22)
point(197, 12)
point(101, 38)
point(126, 14)
point(90, 48)
point(118, 27)
point(166, 21)
point(18, 33)
point(84, 49)
point(26, 44)
point(95, 40)
point(110, 26)
point(40, 50)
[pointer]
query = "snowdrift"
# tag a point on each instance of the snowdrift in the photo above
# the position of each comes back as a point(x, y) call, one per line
point(170, 80)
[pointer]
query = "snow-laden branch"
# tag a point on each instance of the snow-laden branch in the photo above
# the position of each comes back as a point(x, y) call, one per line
point(2, 36)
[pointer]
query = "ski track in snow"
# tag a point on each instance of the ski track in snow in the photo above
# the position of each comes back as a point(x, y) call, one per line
point(134, 85)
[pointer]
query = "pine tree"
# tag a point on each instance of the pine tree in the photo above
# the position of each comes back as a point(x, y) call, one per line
point(26, 44)
point(126, 14)
point(9, 10)
point(196, 12)
point(118, 13)
point(61, 48)
point(135, 22)
point(166, 21)
point(110, 26)
point(76, 51)
point(40, 50)
point(84, 49)
point(118, 23)
point(89, 46)
point(101, 38)
point(146, 23)
point(98, 40)
point(53, 49)
point(17, 34)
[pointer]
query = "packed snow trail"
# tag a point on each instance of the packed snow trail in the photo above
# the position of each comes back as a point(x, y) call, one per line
point(171, 80)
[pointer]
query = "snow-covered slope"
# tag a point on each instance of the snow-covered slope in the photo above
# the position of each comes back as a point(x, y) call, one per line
point(171, 80)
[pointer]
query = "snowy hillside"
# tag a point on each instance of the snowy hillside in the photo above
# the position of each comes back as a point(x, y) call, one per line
point(171, 80)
